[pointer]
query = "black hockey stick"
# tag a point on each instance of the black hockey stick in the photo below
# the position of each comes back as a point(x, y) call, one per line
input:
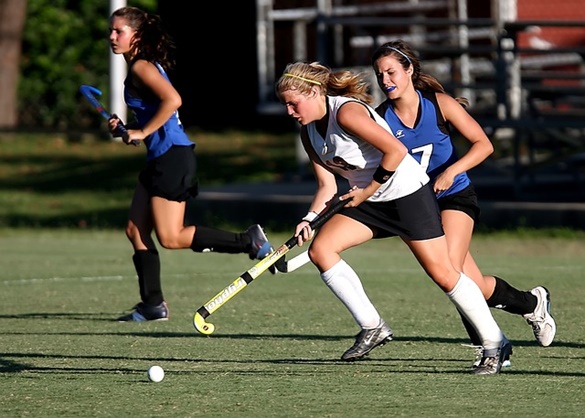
point(248, 276)
point(90, 93)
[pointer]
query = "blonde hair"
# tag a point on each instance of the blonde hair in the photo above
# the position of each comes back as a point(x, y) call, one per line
point(303, 76)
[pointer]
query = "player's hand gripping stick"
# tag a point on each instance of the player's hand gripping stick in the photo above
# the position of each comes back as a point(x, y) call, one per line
point(248, 276)
point(90, 93)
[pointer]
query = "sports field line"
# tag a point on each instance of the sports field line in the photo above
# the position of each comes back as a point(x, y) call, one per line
point(81, 279)
point(62, 279)
point(304, 270)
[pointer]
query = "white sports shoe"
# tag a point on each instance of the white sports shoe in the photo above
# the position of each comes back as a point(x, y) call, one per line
point(479, 354)
point(492, 360)
point(542, 323)
point(367, 340)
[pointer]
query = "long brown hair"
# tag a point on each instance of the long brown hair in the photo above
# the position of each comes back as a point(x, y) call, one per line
point(406, 56)
point(151, 42)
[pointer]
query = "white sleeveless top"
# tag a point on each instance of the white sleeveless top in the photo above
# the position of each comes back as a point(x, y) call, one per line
point(356, 160)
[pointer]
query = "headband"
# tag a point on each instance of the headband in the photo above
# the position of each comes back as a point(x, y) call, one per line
point(308, 80)
point(400, 52)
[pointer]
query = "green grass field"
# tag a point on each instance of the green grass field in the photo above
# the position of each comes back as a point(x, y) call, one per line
point(276, 346)
point(48, 180)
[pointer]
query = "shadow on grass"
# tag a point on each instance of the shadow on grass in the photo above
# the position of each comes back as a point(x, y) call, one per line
point(109, 317)
point(51, 178)
point(11, 363)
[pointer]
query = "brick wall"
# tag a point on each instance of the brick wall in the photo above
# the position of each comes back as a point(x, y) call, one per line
point(554, 10)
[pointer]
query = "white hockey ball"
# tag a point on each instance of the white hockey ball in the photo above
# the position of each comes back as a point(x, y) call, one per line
point(156, 374)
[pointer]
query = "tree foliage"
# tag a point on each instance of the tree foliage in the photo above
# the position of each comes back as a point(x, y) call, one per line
point(65, 44)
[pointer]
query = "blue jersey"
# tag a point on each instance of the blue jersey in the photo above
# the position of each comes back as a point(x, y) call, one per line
point(429, 142)
point(144, 107)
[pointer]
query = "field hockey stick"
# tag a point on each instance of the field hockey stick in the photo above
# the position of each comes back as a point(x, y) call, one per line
point(248, 276)
point(90, 93)
point(287, 266)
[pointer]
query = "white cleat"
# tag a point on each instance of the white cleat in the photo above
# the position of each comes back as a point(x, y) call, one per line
point(493, 360)
point(542, 323)
point(479, 354)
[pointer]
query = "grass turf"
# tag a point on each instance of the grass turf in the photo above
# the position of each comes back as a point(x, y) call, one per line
point(49, 181)
point(276, 348)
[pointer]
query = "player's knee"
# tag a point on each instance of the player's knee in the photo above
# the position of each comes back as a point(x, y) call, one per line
point(317, 253)
point(132, 232)
point(169, 242)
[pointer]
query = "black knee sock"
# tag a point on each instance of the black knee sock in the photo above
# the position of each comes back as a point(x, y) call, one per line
point(510, 299)
point(147, 264)
point(473, 335)
point(208, 239)
point(138, 264)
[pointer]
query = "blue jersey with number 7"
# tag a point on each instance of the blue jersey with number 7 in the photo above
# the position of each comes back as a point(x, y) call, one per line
point(429, 141)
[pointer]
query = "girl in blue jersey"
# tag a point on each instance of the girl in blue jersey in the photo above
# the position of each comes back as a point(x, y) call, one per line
point(420, 114)
point(390, 195)
point(168, 180)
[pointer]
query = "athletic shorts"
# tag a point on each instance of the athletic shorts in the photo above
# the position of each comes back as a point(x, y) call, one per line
point(464, 201)
point(414, 217)
point(172, 175)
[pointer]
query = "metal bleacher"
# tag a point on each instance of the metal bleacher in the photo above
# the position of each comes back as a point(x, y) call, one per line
point(529, 98)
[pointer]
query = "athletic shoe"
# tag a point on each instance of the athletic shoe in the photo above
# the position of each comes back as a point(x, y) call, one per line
point(543, 324)
point(479, 355)
point(143, 312)
point(260, 247)
point(492, 360)
point(367, 340)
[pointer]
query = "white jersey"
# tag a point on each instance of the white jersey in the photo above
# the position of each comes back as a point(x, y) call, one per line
point(356, 160)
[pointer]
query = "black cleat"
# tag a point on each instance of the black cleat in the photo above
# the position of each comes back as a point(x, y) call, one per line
point(143, 312)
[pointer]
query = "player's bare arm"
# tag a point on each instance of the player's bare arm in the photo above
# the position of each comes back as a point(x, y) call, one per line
point(147, 76)
point(460, 119)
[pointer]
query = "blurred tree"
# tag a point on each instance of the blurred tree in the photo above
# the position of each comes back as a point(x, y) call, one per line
point(12, 17)
point(64, 44)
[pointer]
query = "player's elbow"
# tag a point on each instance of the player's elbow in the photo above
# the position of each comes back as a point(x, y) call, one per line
point(176, 100)
point(171, 101)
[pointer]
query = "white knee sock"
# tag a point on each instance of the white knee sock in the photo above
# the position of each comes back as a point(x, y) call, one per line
point(346, 285)
point(467, 297)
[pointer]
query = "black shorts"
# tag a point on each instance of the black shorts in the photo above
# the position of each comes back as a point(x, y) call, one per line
point(464, 201)
point(172, 175)
point(413, 217)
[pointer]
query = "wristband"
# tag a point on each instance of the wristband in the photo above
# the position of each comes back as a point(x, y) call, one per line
point(381, 175)
point(310, 216)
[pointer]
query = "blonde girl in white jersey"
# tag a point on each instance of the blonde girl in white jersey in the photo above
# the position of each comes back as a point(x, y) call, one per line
point(390, 195)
